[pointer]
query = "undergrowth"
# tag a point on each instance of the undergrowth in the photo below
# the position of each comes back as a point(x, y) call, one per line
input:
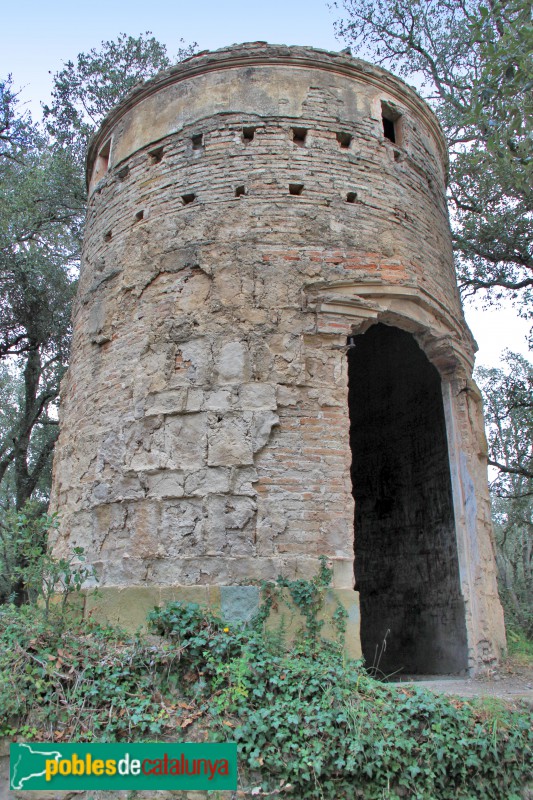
point(520, 647)
point(309, 723)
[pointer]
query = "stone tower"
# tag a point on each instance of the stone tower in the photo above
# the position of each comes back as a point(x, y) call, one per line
point(267, 335)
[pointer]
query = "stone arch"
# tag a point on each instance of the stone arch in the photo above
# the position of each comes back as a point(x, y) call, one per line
point(406, 559)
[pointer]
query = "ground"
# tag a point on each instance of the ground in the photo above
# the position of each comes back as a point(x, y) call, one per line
point(512, 682)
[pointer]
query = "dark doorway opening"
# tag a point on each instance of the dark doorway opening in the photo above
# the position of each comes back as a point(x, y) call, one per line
point(406, 564)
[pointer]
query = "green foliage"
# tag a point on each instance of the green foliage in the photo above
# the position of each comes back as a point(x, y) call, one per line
point(327, 730)
point(27, 568)
point(502, 104)
point(23, 536)
point(308, 722)
point(42, 210)
point(308, 598)
point(519, 646)
point(85, 90)
point(13, 128)
point(509, 418)
point(79, 683)
point(40, 218)
point(202, 638)
point(473, 59)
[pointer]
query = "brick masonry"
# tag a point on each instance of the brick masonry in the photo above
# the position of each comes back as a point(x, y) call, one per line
point(205, 424)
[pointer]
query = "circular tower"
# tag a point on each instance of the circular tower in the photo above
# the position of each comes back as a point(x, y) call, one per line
point(267, 335)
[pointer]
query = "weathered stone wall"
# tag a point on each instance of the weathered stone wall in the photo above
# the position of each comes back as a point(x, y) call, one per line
point(246, 214)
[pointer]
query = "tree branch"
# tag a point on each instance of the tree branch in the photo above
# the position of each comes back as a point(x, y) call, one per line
point(511, 470)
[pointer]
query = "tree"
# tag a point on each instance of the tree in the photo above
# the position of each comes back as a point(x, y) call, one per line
point(85, 91)
point(473, 61)
point(40, 219)
point(509, 416)
point(13, 128)
point(42, 210)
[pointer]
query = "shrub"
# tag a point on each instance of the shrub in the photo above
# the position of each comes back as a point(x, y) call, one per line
point(80, 683)
point(308, 722)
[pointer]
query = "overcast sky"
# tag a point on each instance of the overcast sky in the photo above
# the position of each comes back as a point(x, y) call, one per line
point(36, 38)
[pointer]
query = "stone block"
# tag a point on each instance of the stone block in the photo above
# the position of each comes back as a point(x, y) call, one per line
point(123, 606)
point(195, 400)
point(112, 451)
point(172, 401)
point(182, 528)
point(194, 358)
point(343, 576)
point(238, 604)
point(349, 600)
point(194, 293)
point(229, 519)
point(219, 400)
point(100, 493)
point(262, 424)
point(243, 479)
point(229, 442)
point(257, 396)
point(129, 606)
point(233, 363)
point(113, 571)
point(207, 596)
point(126, 487)
point(186, 441)
point(97, 320)
point(212, 480)
point(148, 461)
point(167, 484)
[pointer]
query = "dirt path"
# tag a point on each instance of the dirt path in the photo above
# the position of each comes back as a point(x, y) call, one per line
point(513, 683)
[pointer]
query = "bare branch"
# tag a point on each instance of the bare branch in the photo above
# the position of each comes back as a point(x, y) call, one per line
point(511, 470)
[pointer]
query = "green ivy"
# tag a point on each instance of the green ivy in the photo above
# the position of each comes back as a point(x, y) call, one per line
point(307, 597)
point(309, 722)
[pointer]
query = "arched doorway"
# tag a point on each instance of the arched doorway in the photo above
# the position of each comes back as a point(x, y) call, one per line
point(406, 564)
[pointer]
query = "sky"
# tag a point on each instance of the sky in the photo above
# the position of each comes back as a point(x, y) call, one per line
point(37, 37)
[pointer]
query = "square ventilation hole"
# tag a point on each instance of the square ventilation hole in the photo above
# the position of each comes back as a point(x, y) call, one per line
point(296, 188)
point(188, 198)
point(344, 139)
point(240, 191)
point(139, 216)
point(123, 173)
point(197, 141)
point(392, 123)
point(299, 136)
point(156, 155)
point(108, 236)
point(351, 197)
point(248, 134)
